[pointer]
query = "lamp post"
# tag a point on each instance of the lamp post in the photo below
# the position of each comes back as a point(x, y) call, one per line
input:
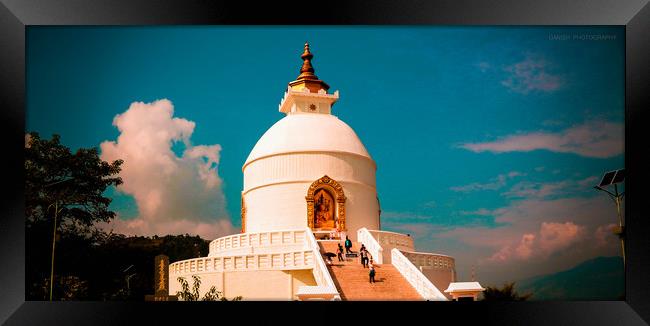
point(57, 210)
point(128, 278)
point(614, 178)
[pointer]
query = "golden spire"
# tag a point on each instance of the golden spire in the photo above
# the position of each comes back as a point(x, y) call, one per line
point(307, 78)
point(307, 71)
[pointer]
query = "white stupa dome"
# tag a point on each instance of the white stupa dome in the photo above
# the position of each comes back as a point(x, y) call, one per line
point(308, 132)
point(306, 153)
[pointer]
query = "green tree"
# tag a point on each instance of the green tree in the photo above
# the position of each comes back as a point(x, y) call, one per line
point(53, 174)
point(64, 198)
point(506, 293)
point(212, 295)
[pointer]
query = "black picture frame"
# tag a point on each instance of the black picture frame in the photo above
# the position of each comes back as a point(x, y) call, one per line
point(16, 15)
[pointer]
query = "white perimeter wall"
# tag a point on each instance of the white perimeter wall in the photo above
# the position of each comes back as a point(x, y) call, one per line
point(439, 277)
point(252, 285)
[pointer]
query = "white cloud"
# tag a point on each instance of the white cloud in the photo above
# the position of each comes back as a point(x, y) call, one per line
point(174, 195)
point(480, 212)
point(551, 238)
point(534, 236)
point(391, 216)
point(484, 66)
point(525, 248)
point(557, 236)
point(494, 184)
point(594, 138)
point(531, 75)
point(605, 234)
point(527, 189)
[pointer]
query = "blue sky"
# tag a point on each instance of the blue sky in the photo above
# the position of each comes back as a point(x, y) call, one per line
point(467, 125)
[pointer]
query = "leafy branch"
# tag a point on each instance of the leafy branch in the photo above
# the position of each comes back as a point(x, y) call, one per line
point(212, 295)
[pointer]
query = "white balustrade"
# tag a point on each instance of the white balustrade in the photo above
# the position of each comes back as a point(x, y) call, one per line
point(306, 257)
point(245, 241)
point(300, 250)
point(414, 276)
point(324, 284)
point(393, 240)
point(372, 245)
point(272, 261)
point(425, 259)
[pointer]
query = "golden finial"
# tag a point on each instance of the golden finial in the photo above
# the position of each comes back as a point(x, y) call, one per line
point(307, 78)
point(307, 70)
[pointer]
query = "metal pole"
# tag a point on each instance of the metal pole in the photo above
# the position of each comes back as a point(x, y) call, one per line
point(128, 286)
point(617, 200)
point(56, 211)
point(620, 222)
point(618, 207)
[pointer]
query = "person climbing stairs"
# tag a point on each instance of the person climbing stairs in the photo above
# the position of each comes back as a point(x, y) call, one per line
point(352, 280)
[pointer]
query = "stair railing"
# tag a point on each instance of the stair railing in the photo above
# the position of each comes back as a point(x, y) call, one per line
point(414, 276)
point(325, 284)
point(374, 248)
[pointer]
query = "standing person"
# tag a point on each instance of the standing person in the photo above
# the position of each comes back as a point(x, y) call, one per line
point(348, 245)
point(364, 256)
point(371, 273)
point(339, 252)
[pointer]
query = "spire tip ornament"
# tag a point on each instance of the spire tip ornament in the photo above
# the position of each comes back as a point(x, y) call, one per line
point(307, 55)
point(307, 78)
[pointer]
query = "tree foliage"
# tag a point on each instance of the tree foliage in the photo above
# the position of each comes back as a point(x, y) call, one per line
point(90, 264)
point(75, 182)
point(506, 293)
point(212, 295)
point(73, 186)
point(102, 262)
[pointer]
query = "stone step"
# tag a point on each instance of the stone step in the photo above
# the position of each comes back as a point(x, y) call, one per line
point(352, 279)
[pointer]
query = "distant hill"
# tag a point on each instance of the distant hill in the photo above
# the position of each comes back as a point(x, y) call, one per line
point(601, 278)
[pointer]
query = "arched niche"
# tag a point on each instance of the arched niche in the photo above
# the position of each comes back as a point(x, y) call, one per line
point(319, 196)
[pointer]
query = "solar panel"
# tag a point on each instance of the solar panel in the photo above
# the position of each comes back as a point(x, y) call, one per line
point(619, 177)
point(612, 177)
point(607, 179)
